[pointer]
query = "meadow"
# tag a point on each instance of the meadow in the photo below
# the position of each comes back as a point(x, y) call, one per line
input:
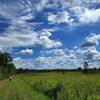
point(51, 86)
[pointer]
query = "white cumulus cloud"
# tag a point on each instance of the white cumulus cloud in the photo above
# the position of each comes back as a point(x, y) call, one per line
point(27, 51)
point(90, 16)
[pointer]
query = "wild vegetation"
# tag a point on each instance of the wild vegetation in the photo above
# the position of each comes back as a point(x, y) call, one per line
point(51, 86)
point(7, 68)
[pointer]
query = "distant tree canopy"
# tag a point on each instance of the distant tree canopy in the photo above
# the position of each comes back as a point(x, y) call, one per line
point(7, 68)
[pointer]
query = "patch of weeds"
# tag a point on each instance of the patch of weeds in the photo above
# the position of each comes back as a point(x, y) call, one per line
point(54, 92)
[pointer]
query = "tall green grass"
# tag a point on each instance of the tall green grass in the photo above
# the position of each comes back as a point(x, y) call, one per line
point(76, 85)
point(45, 86)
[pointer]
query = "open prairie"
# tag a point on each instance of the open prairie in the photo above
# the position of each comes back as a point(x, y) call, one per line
point(51, 86)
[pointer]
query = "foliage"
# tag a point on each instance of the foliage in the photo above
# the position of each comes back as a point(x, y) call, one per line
point(7, 68)
point(72, 86)
point(54, 92)
point(44, 86)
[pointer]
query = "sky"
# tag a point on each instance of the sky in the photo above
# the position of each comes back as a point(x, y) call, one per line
point(51, 34)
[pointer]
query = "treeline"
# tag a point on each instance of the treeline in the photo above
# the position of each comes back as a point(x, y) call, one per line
point(43, 70)
point(18, 71)
point(7, 68)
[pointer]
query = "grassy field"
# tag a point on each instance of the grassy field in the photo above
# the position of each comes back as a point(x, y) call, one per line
point(45, 86)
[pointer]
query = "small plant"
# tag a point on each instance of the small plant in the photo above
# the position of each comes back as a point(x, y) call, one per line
point(54, 92)
point(39, 86)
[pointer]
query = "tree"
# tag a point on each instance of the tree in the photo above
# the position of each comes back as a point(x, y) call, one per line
point(7, 68)
point(85, 65)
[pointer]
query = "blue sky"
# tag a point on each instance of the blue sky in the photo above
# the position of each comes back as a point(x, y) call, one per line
point(50, 34)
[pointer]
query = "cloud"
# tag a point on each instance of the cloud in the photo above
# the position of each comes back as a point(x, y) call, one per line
point(92, 56)
point(60, 17)
point(41, 5)
point(57, 58)
point(86, 15)
point(89, 53)
point(18, 39)
point(55, 62)
point(47, 43)
point(21, 32)
point(56, 52)
point(91, 40)
point(78, 12)
point(74, 12)
point(24, 63)
point(28, 38)
point(17, 59)
point(93, 1)
point(27, 51)
point(90, 16)
point(64, 4)
point(61, 58)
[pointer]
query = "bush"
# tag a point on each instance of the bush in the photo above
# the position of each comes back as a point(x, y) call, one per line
point(54, 92)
